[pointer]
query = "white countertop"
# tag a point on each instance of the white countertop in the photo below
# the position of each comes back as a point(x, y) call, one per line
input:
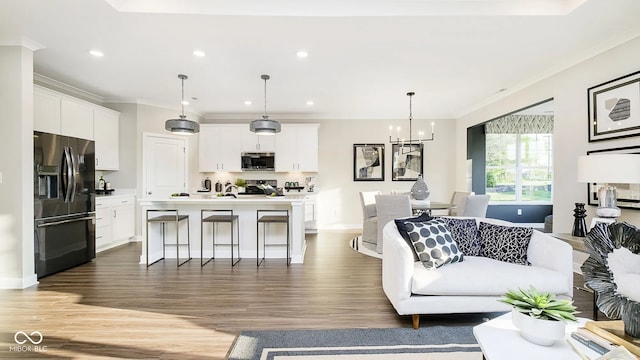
point(213, 199)
point(117, 193)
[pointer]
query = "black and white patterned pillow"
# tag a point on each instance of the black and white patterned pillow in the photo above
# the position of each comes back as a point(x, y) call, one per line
point(434, 244)
point(465, 233)
point(505, 243)
point(403, 225)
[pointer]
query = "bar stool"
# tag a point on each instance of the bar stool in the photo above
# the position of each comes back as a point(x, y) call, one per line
point(277, 218)
point(219, 216)
point(163, 219)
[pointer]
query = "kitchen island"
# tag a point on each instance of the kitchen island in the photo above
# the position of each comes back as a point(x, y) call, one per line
point(245, 207)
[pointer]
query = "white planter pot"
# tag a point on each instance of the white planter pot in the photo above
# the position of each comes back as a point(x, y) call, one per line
point(541, 332)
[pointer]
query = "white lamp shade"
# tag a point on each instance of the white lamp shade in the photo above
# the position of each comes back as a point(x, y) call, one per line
point(609, 168)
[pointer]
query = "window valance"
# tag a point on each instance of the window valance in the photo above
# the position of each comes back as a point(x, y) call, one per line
point(520, 124)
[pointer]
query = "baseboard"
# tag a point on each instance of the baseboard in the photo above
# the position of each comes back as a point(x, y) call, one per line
point(18, 283)
point(334, 227)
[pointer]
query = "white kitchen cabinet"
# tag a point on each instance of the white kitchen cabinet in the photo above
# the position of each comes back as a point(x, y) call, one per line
point(46, 110)
point(257, 143)
point(310, 214)
point(103, 226)
point(61, 114)
point(297, 148)
point(115, 221)
point(107, 138)
point(124, 219)
point(76, 118)
point(220, 147)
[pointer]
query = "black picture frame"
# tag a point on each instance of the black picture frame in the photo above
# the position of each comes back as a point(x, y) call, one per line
point(406, 162)
point(614, 108)
point(628, 194)
point(368, 162)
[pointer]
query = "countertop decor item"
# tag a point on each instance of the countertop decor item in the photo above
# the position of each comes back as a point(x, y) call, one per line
point(539, 316)
point(401, 141)
point(420, 190)
point(265, 126)
point(579, 223)
point(182, 125)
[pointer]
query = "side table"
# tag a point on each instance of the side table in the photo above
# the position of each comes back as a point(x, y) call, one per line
point(499, 339)
point(577, 243)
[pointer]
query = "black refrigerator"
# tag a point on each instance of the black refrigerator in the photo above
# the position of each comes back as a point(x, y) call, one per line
point(64, 202)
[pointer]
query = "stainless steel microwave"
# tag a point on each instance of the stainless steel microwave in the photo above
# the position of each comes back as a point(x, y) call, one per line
point(258, 161)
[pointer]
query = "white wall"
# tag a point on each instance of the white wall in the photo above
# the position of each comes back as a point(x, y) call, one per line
point(16, 166)
point(339, 201)
point(570, 139)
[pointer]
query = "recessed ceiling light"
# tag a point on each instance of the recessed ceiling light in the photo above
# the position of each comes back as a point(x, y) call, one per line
point(302, 54)
point(247, 102)
point(502, 90)
point(185, 102)
point(309, 102)
point(199, 53)
point(96, 53)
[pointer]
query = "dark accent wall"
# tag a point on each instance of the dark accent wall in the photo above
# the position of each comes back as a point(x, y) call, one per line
point(476, 151)
point(530, 213)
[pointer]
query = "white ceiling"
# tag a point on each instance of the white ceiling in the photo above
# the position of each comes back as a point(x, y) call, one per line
point(363, 55)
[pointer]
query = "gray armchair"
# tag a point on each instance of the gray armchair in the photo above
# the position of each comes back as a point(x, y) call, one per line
point(476, 206)
point(389, 207)
point(369, 216)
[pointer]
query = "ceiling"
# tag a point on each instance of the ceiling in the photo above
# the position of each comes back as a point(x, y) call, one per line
point(363, 56)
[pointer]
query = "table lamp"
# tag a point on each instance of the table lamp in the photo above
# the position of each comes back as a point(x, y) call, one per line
point(605, 170)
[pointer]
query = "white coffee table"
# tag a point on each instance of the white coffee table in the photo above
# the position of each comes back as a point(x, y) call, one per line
point(499, 339)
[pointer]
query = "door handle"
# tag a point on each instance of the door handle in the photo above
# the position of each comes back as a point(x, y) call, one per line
point(66, 221)
point(73, 175)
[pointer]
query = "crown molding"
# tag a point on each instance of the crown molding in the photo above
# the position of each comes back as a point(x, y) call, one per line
point(21, 41)
point(66, 88)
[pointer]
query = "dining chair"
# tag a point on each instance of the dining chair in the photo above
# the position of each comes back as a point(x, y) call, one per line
point(369, 216)
point(390, 207)
point(459, 200)
point(476, 206)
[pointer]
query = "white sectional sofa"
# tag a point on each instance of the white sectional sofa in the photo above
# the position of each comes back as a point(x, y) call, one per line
point(475, 284)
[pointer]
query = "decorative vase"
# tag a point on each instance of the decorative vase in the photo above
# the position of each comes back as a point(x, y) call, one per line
point(420, 190)
point(579, 223)
point(631, 318)
point(537, 331)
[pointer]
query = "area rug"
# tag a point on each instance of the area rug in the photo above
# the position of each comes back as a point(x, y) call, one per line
point(431, 343)
point(364, 247)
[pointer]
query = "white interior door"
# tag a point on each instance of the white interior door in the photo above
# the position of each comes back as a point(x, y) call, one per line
point(165, 165)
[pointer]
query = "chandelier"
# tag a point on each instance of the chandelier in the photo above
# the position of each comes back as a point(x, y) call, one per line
point(408, 144)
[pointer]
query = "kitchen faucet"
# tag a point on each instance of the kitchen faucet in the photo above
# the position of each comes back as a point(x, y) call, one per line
point(229, 188)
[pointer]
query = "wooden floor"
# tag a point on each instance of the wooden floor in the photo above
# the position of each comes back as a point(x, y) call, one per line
point(115, 308)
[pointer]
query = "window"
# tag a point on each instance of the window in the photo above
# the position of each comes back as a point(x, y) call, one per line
point(519, 167)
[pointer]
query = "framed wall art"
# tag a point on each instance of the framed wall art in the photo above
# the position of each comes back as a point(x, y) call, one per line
point(614, 108)
point(368, 162)
point(406, 162)
point(628, 194)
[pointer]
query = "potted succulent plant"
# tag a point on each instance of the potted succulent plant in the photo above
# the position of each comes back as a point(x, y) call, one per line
point(241, 184)
point(540, 317)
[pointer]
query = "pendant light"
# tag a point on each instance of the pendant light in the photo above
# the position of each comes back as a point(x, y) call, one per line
point(182, 126)
point(407, 146)
point(265, 126)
